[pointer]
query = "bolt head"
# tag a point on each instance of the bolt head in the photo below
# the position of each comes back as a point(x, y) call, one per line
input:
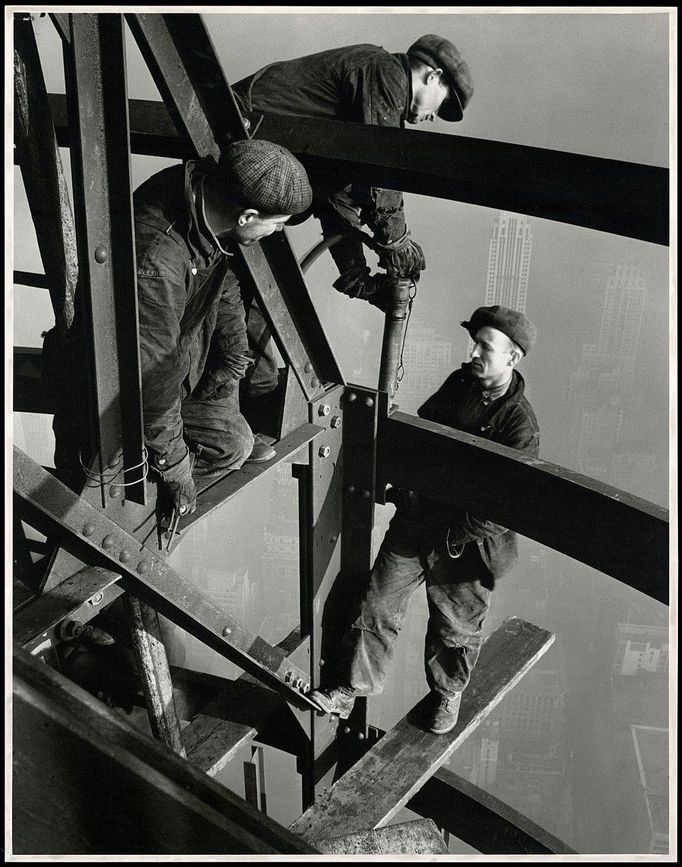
point(324, 409)
point(324, 451)
point(336, 422)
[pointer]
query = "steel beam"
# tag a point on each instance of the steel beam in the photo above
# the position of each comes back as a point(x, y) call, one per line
point(606, 528)
point(41, 168)
point(48, 505)
point(482, 820)
point(613, 196)
point(98, 109)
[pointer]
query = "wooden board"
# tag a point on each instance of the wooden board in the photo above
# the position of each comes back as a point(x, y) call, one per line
point(420, 837)
point(387, 776)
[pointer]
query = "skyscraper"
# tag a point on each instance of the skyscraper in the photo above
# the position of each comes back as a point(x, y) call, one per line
point(509, 262)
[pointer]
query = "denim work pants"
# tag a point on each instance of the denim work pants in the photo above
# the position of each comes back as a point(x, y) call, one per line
point(458, 602)
point(217, 432)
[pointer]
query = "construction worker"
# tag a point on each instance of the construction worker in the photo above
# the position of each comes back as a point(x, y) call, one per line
point(193, 344)
point(457, 555)
point(361, 84)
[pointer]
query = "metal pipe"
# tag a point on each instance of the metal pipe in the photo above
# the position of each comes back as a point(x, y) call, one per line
point(395, 323)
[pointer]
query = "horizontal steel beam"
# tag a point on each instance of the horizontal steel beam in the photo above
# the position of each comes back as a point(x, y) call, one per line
point(613, 196)
point(606, 528)
point(49, 506)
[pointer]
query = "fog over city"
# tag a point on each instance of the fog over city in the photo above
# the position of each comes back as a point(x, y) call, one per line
point(580, 746)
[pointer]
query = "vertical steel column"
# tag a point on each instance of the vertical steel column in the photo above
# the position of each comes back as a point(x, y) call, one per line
point(254, 780)
point(320, 529)
point(43, 175)
point(98, 119)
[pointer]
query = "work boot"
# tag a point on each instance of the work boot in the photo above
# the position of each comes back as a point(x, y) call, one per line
point(261, 451)
point(334, 700)
point(444, 712)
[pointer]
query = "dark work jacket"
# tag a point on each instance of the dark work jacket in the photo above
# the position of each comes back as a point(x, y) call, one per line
point(356, 83)
point(189, 302)
point(509, 420)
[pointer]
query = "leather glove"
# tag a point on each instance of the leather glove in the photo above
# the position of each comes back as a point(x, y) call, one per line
point(179, 485)
point(402, 258)
point(357, 282)
point(216, 384)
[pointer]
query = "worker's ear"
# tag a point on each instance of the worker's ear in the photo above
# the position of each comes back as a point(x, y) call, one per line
point(516, 356)
point(247, 216)
point(434, 73)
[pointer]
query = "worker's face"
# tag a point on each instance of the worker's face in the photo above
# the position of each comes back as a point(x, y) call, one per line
point(427, 97)
point(493, 357)
point(252, 226)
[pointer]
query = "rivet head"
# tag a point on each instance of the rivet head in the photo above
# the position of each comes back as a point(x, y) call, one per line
point(143, 566)
point(115, 491)
point(335, 422)
point(108, 542)
point(227, 631)
point(314, 382)
point(361, 736)
point(96, 599)
point(324, 409)
point(88, 529)
point(101, 254)
point(369, 401)
point(365, 494)
point(114, 462)
point(333, 538)
point(352, 396)
point(346, 730)
point(124, 556)
point(307, 367)
point(350, 489)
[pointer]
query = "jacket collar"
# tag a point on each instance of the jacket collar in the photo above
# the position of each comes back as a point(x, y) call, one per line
point(200, 237)
point(516, 387)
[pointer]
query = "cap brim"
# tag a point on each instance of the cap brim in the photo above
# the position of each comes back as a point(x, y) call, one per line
point(451, 110)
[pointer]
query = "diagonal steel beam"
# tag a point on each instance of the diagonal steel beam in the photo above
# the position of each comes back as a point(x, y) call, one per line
point(183, 62)
point(626, 537)
point(44, 502)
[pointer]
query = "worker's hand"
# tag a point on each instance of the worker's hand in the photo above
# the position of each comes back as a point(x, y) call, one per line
point(179, 486)
point(357, 282)
point(402, 258)
point(216, 384)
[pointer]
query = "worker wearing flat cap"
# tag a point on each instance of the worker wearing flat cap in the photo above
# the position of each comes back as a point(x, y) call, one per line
point(193, 344)
point(457, 555)
point(369, 85)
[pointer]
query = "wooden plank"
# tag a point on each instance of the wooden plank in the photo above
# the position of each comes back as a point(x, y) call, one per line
point(419, 837)
point(80, 598)
point(628, 537)
point(387, 776)
point(88, 782)
point(482, 820)
point(152, 665)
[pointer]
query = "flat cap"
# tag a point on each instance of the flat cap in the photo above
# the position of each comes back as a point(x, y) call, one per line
point(442, 54)
point(514, 324)
point(265, 176)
